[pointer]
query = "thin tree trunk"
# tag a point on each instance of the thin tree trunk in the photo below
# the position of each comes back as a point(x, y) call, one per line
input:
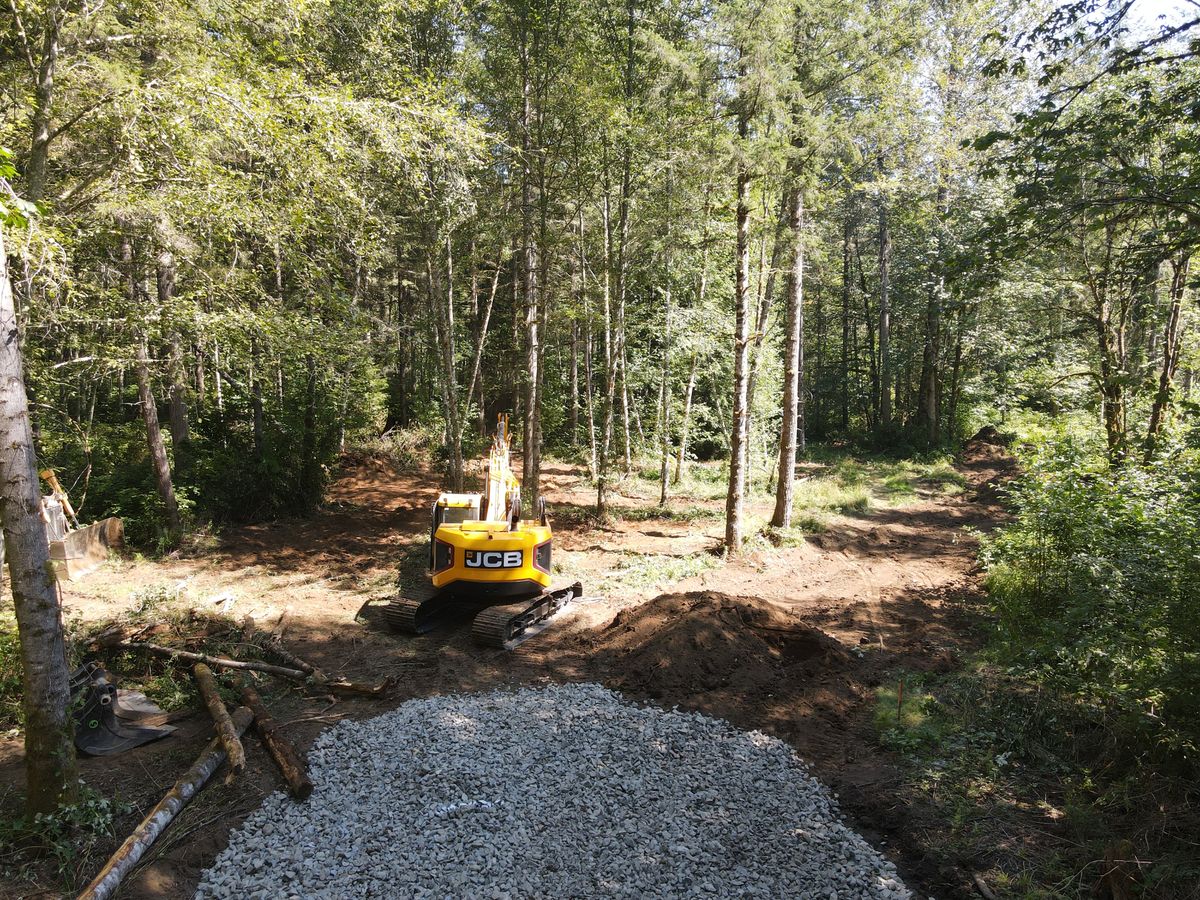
point(177, 409)
point(885, 316)
point(664, 391)
point(872, 410)
point(154, 439)
point(39, 151)
point(50, 770)
point(928, 413)
point(573, 413)
point(476, 382)
point(701, 290)
point(611, 356)
point(847, 272)
point(528, 273)
point(622, 372)
point(686, 421)
point(956, 376)
point(589, 399)
point(765, 299)
point(793, 379)
point(309, 461)
point(1171, 346)
point(739, 433)
point(441, 300)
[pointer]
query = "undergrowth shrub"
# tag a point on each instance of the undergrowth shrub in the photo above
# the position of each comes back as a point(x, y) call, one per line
point(1096, 585)
point(10, 672)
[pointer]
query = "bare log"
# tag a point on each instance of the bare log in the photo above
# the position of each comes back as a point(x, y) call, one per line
point(280, 748)
point(378, 689)
point(218, 661)
point(317, 679)
point(271, 644)
point(207, 682)
point(129, 853)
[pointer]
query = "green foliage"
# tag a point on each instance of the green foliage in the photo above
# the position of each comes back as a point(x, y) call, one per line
point(997, 754)
point(11, 714)
point(67, 836)
point(1097, 587)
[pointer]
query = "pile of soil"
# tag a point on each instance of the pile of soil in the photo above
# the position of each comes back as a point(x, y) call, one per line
point(989, 466)
point(990, 434)
point(697, 647)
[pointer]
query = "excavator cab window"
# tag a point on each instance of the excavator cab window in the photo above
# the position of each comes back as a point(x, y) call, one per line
point(455, 515)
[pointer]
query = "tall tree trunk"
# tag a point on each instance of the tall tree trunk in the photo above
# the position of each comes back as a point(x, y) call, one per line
point(441, 300)
point(573, 412)
point(43, 100)
point(664, 389)
point(1170, 361)
point(847, 274)
point(50, 769)
point(623, 393)
point(793, 379)
point(589, 397)
point(476, 382)
point(739, 427)
point(928, 413)
point(1110, 340)
point(149, 410)
point(611, 358)
point(956, 371)
point(177, 410)
point(885, 315)
point(765, 299)
point(872, 409)
point(686, 421)
point(310, 465)
point(528, 274)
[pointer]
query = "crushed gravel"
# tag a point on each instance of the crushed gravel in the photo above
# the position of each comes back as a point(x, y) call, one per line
point(561, 791)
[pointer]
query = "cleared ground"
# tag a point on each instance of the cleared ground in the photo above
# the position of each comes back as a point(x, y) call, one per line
point(794, 639)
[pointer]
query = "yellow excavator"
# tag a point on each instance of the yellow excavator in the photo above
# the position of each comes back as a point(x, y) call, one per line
point(484, 557)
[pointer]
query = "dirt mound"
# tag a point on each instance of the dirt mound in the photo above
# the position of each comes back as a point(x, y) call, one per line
point(990, 434)
point(679, 646)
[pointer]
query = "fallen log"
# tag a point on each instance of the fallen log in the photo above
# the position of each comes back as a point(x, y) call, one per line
point(318, 680)
point(378, 689)
point(271, 644)
point(136, 845)
point(218, 661)
point(280, 748)
point(207, 682)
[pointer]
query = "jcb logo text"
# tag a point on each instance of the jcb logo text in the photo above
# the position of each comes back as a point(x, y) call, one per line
point(493, 559)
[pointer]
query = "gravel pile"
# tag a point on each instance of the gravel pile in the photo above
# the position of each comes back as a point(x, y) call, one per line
point(563, 791)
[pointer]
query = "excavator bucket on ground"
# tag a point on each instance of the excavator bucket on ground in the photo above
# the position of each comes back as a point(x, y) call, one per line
point(484, 558)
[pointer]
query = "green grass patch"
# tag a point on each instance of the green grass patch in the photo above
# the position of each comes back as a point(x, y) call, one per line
point(664, 513)
point(903, 715)
point(646, 570)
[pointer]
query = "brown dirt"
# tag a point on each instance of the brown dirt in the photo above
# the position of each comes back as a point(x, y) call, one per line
point(792, 641)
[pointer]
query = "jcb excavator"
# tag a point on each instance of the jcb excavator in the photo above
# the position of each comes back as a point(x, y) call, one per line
point(484, 557)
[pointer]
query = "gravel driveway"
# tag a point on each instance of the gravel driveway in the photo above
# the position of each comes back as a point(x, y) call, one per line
point(561, 791)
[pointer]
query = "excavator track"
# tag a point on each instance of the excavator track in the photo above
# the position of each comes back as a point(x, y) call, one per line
point(419, 610)
point(507, 627)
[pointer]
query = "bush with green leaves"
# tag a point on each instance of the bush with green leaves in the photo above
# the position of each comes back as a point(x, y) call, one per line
point(1097, 587)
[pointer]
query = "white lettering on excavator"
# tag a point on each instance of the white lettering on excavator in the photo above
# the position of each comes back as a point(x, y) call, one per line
point(493, 559)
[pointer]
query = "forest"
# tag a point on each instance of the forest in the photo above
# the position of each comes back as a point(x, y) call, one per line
point(245, 238)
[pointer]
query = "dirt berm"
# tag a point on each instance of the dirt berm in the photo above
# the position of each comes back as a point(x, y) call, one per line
point(683, 647)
